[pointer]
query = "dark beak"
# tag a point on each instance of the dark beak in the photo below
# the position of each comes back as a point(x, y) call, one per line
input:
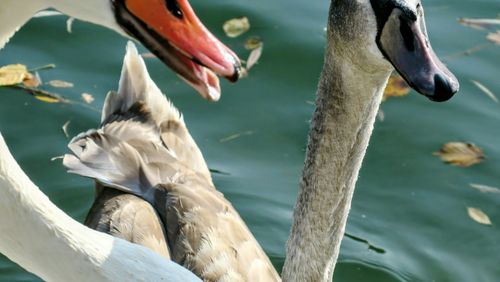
point(404, 42)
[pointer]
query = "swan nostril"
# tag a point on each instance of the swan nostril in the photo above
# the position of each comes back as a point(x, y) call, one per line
point(444, 88)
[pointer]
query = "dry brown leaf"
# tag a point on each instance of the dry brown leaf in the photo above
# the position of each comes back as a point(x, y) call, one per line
point(494, 37)
point(254, 56)
point(485, 189)
point(396, 87)
point(60, 84)
point(479, 23)
point(12, 74)
point(485, 90)
point(253, 43)
point(461, 154)
point(87, 98)
point(479, 216)
point(32, 80)
point(236, 27)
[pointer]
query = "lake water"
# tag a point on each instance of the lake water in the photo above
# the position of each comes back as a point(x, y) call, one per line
point(407, 202)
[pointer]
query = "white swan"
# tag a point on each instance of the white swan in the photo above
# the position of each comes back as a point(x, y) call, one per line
point(169, 28)
point(41, 238)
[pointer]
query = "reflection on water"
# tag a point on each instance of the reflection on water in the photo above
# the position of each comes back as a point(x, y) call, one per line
point(407, 202)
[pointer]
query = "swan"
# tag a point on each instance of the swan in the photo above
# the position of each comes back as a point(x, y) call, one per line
point(169, 28)
point(366, 41)
point(44, 240)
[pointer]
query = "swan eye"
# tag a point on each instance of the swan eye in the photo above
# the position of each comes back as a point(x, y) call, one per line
point(173, 7)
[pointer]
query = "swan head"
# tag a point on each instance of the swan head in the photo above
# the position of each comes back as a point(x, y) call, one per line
point(173, 32)
point(378, 34)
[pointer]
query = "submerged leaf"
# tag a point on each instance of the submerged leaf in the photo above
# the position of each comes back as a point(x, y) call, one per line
point(461, 154)
point(60, 84)
point(396, 87)
point(12, 74)
point(485, 90)
point(253, 43)
point(479, 216)
point(485, 189)
point(236, 27)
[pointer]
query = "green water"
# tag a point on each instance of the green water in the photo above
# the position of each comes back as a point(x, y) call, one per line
point(407, 201)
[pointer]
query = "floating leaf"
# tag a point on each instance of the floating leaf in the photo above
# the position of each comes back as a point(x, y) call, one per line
point(148, 55)
point(12, 74)
point(253, 43)
point(485, 90)
point(60, 84)
point(254, 56)
point(494, 37)
point(479, 23)
point(236, 27)
point(69, 25)
point(87, 98)
point(236, 136)
point(485, 189)
point(461, 154)
point(396, 87)
point(47, 99)
point(65, 128)
point(57, 158)
point(479, 216)
point(32, 80)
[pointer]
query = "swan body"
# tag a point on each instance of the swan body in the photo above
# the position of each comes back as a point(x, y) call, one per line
point(144, 148)
point(45, 241)
point(169, 28)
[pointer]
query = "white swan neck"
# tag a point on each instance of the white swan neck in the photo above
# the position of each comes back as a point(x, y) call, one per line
point(347, 103)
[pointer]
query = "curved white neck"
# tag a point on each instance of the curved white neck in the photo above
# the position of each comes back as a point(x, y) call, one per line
point(347, 104)
point(15, 13)
point(45, 241)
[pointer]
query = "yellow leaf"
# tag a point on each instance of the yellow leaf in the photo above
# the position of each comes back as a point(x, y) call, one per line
point(47, 99)
point(236, 27)
point(461, 154)
point(396, 87)
point(479, 216)
point(253, 43)
point(60, 84)
point(12, 74)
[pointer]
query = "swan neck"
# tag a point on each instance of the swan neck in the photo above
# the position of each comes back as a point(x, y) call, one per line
point(348, 99)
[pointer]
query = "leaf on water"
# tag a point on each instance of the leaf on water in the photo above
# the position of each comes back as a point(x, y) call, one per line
point(485, 189)
point(60, 84)
point(254, 56)
point(87, 98)
point(479, 23)
point(32, 80)
point(235, 136)
point(461, 154)
point(148, 55)
point(396, 87)
point(12, 74)
point(69, 25)
point(479, 216)
point(57, 158)
point(494, 37)
point(485, 90)
point(253, 43)
point(47, 99)
point(65, 128)
point(236, 27)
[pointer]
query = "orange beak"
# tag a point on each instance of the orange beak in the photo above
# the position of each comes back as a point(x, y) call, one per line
point(173, 32)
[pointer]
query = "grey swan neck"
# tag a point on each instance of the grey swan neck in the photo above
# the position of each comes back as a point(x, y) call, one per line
point(348, 98)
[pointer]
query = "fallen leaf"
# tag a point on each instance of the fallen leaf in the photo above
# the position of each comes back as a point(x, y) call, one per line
point(148, 55)
point(235, 136)
point(60, 84)
point(57, 158)
point(69, 25)
point(12, 74)
point(485, 189)
point(47, 99)
point(479, 216)
point(396, 87)
point(253, 43)
point(485, 90)
point(479, 23)
point(254, 57)
point(87, 98)
point(65, 128)
point(32, 80)
point(461, 154)
point(494, 37)
point(236, 27)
